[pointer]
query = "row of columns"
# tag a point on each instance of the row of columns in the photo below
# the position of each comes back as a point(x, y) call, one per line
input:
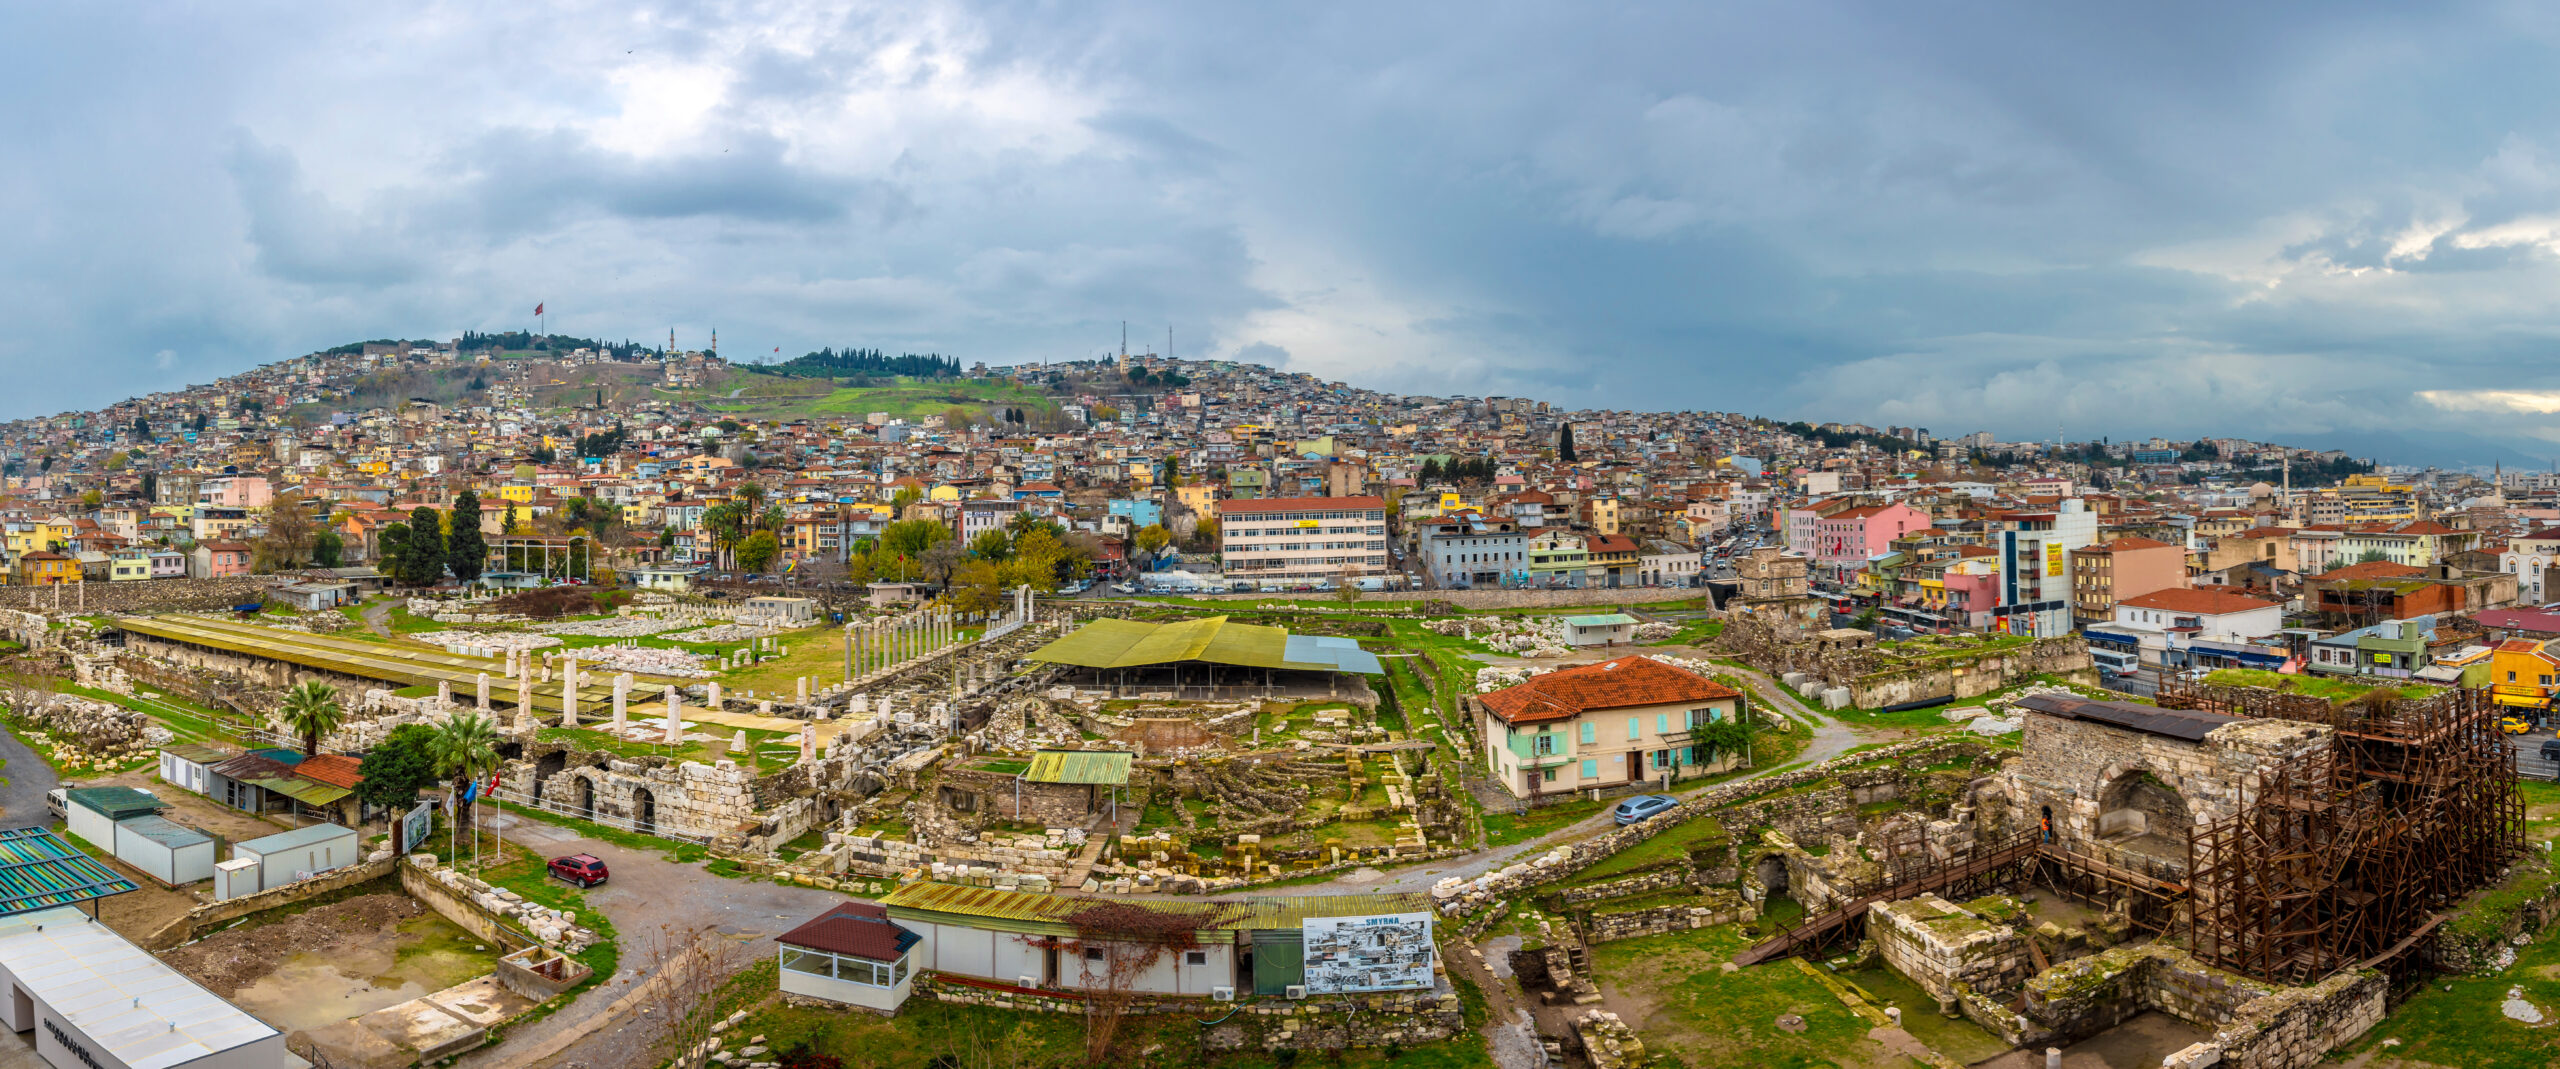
point(876, 645)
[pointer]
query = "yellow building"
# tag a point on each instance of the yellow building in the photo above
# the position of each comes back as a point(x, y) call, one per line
point(2523, 672)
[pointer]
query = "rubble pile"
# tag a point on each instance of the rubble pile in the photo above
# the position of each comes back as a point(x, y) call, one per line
point(485, 643)
point(1524, 636)
point(82, 734)
point(617, 627)
point(646, 660)
point(722, 633)
point(555, 928)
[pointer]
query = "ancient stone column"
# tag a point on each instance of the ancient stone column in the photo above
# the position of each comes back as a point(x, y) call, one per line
point(804, 690)
point(808, 743)
point(444, 691)
point(738, 742)
point(621, 698)
point(569, 691)
point(715, 695)
point(484, 691)
point(675, 715)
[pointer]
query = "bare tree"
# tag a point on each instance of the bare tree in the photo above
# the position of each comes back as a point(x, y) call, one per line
point(1117, 943)
point(686, 968)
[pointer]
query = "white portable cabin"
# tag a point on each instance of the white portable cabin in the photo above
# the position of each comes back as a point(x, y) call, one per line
point(298, 854)
point(166, 852)
point(92, 998)
point(92, 812)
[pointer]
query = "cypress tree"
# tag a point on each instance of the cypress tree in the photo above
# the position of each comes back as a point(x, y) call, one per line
point(465, 549)
point(1564, 444)
point(425, 546)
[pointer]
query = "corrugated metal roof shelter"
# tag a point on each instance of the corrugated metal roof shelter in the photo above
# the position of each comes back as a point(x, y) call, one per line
point(38, 870)
point(114, 803)
point(1110, 643)
point(161, 830)
point(2185, 724)
point(1097, 767)
point(112, 996)
point(1029, 912)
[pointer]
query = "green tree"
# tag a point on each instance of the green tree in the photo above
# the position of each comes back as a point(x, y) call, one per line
point(757, 552)
point(328, 548)
point(1154, 537)
point(466, 549)
point(395, 770)
point(991, 544)
point(1172, 471)
point(311, 710)
point(392, 557)
point(465, 749)
point(1564, 444)
point(910, 538)
point(425, 546)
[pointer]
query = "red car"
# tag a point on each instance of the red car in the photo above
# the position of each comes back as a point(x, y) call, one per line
point(585, 870)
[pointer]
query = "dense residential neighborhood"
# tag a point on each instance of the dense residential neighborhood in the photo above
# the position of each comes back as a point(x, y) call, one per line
point(1134, 687)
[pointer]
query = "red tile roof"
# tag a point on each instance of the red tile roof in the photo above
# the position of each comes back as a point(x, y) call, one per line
point(1622, 683)
point(854, 929)
point(2199, 601)
point(336, 770)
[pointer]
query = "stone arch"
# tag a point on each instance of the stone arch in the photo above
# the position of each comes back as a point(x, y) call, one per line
point(1771, 871)
point(2136, 802)
point(644, 811)
point(545, 767)
point(586, 797)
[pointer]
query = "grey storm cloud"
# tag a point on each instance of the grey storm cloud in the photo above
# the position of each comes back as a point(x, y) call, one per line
point(2307, 220)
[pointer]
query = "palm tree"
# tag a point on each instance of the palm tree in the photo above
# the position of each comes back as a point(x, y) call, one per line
point(465, 748)
point(311, 710)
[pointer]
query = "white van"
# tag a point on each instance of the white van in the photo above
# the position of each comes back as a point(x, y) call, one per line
point(2115, 662)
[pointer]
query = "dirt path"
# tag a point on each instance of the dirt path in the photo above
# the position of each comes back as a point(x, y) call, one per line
point(647, 894)
point(378, 617)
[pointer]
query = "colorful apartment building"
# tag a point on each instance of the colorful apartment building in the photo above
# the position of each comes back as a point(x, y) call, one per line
point(1303, 540)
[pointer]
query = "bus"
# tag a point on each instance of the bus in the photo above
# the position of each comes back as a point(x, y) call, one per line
point(2114, 662)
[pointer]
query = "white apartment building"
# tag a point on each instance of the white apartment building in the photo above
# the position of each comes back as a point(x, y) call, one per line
point(1303, 540)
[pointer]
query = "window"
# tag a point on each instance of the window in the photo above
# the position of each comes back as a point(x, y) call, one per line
point(1591, 768)
point(1550, 775)
point(1093, 953)
point(1195, 957)
point(1544, 745)
point(1590, 733)
point(1662, 723)
point(1635, 730)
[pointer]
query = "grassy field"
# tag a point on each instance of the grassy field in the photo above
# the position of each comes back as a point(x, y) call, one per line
point(2333, 688)
point(1672, 990)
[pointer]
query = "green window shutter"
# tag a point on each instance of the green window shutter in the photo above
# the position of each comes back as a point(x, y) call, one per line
point(1590, 733)
point(1635, 728)
point(1662, 723)
point(1591, 769)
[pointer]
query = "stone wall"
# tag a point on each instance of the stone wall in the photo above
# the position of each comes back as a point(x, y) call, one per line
point(1465, 896)
point(1946, 948)
point(206, 917)
point(2255, 1025)
point(2074, 767)
point(1324, 1022)
point(1715, 906)
point(2066, 656)
point(147, 595)
point(492, 913)
point(1630, 887)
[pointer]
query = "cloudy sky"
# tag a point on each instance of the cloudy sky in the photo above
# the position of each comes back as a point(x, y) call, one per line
point(2308, 223)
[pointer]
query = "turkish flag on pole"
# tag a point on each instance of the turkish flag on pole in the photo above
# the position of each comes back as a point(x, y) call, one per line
point(537, 309)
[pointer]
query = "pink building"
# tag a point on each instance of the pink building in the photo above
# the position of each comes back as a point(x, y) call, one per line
point(235, 492)
point(213, 560)
point(1852, 536)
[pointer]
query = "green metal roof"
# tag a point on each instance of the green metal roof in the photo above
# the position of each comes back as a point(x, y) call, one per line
point(38, 870)
point(199, 753)
point(114, 803)
point(307, 792)
point(1044, 914)
point(1106, 767)
point(1113, 643)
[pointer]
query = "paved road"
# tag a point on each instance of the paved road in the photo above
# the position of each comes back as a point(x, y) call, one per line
point(647, 895)
point(22, 799)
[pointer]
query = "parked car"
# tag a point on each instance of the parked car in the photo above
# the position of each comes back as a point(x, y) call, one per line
point(585, 870)
point(2551, 750)
point(1644, 807)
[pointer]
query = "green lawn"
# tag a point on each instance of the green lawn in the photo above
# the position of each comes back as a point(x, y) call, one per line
point(1703, 1015)
point(2334, 688)
point(1698, 833)
point(1505, 829)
